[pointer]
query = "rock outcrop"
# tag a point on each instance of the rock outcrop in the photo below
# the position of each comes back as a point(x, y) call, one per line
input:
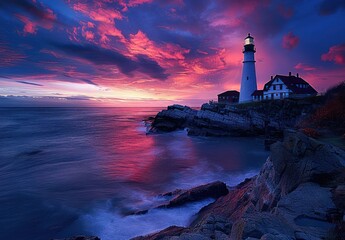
point(232, 120)
point(181, 197)
point(211, 190)
point(298, 194)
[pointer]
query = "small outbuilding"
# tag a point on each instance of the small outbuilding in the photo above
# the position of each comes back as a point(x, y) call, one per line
point(229, 97)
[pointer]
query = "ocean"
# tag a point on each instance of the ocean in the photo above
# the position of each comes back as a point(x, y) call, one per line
point(80, 171)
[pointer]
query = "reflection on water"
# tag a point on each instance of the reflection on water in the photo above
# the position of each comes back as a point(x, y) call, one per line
point(59, 165)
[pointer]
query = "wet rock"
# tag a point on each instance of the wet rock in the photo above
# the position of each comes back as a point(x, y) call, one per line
point(175, 117)
point(298, 194)
point(168, 233)
point(211, 190)
point(181, 197)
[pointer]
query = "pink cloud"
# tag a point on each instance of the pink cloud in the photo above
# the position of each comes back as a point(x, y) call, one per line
point(46, 21)
point(104, 26)
point(335, 54)
point(9, 57)
point(133, 3)
point(304, 67)
point(139, 43)
point(30, 27)
point(290, 41)
point(98, 13)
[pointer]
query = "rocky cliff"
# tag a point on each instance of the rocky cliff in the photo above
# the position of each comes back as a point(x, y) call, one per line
point(234, 120)
point(298, 194)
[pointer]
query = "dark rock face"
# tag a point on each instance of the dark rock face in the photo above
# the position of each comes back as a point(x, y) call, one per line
point(211, 190)
point(298, 194)
point(180, 197)
point(170, 231)
point(175, 117)
point(232, 120)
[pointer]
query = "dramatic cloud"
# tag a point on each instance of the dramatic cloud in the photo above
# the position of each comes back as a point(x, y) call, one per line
point(290, 41)
point(31, 13)
point(335, 54)
point(126, 65)
point(163, 51)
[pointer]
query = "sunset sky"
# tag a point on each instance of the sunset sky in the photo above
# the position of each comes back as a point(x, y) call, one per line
point(156, 53)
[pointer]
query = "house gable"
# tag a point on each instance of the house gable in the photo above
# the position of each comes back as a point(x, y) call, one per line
point(284, 86)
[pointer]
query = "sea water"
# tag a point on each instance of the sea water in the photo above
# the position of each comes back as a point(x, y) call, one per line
point(80, 171)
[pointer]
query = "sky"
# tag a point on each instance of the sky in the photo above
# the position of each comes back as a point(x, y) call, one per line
point(134, 53)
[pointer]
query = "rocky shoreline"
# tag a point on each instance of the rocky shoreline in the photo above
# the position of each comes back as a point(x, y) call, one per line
point(298, 194)
point(252, 119)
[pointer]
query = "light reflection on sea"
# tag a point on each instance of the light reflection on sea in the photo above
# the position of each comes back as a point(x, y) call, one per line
point(70, 171)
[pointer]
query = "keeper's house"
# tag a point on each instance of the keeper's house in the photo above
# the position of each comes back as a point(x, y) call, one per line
point(280, 87)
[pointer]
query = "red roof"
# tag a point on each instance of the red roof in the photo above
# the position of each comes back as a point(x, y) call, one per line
point(229, 93)
point(292, 83)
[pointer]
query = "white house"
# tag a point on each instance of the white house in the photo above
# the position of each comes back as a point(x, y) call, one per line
point(281, 87)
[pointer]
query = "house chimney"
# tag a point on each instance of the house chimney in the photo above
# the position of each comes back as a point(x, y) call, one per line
point(297, 75)
point(271, 77)
point(289, 74)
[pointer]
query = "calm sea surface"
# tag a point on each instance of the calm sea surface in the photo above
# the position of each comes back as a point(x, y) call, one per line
point(72, 171)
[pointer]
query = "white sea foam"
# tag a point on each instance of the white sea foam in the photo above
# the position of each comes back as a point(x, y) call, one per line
point(111, 225)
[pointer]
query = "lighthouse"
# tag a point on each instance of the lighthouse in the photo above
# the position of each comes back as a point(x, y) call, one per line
point(248, 82)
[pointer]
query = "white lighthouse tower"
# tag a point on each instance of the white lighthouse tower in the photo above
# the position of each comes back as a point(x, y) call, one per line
point(248, 82)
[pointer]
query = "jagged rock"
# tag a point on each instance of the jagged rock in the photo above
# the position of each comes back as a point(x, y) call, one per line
point(175, 117)
point(232, 120)
point(297, 195)
point(180, 197)
point(168, 233)
point(211, 190)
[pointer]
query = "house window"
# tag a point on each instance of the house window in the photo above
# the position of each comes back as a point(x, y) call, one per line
point(274, 87)
point(281, 86)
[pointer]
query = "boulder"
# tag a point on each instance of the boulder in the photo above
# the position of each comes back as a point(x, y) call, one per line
point(211, 190)
point(181, 197)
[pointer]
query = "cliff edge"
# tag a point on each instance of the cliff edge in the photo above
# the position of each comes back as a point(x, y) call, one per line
point(214, 119)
